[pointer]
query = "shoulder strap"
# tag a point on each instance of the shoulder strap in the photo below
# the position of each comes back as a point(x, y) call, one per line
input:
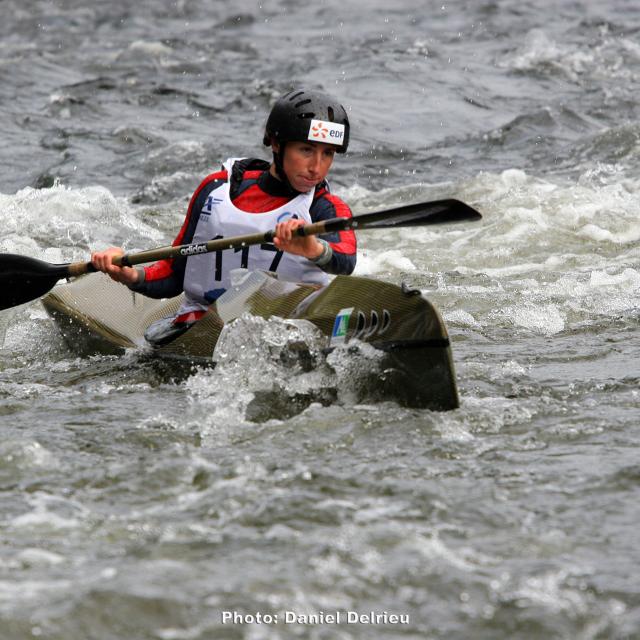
point(237, 167)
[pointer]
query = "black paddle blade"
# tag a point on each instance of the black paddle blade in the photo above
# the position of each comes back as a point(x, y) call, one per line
point(415, 215)
point(23, 279)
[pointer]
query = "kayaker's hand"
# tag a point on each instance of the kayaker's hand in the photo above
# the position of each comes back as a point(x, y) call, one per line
point(307, 246)
point(102, 261)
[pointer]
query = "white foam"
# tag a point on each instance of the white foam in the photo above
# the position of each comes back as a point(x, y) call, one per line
point(153, 49)
point(543, 319)
point(35, 557)
point(61, 223)
point(378, 262)
point(541, 53)
point(628, 278)
point(550, 591)
point(597, 233)
point(463, 558)
point(461, 317)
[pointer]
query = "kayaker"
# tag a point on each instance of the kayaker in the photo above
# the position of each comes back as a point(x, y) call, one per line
point(304, 130)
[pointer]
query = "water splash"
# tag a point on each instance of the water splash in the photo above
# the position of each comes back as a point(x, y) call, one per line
point(62, 224)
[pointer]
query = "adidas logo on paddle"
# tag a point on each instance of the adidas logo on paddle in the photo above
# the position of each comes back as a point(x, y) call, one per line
point(193, 249)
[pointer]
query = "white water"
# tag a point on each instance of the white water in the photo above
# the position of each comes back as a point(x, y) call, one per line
point(140, 501)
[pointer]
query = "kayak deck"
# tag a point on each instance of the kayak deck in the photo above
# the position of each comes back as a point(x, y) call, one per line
point(416, 369)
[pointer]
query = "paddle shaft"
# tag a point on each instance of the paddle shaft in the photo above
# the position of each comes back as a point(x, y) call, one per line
point(436, 212)
point(23, 278)
point(222, 244)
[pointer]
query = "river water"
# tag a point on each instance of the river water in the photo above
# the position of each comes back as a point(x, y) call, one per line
point(140, 500)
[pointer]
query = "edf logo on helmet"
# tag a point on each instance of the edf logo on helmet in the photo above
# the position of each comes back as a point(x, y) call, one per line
point(322, 131)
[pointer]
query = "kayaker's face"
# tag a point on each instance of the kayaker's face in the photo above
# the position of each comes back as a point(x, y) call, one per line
point(306, 164)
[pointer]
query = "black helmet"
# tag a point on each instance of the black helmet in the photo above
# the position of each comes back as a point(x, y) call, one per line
point(302, 115)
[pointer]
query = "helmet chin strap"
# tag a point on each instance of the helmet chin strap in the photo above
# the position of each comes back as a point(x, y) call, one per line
point(278, 161)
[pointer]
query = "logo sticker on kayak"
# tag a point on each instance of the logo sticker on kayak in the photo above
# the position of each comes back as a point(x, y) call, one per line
point(341, 326)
